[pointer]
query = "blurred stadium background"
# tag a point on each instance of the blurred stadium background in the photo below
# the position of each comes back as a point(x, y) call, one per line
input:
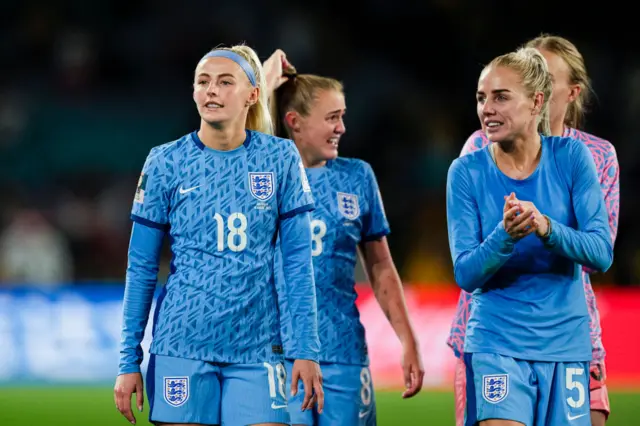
point(87, 88)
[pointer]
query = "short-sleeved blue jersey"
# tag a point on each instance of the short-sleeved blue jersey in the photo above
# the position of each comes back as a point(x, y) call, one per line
point(348, 211)
point(222, 211)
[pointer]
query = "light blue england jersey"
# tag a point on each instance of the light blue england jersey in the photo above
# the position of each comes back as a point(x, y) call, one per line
point(348, 211)
point(528, 297)
point(222, 211)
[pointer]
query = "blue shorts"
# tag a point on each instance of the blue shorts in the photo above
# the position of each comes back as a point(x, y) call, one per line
point(532, 393)
point(190, 391)
point(348, 397)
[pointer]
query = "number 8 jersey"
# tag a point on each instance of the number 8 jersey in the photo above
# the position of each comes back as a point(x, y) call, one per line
point(221, 210)
point(348, 211)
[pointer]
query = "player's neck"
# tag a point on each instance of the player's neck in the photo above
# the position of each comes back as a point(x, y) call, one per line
point(313, 164)
point(309, 161)
point(220, 137)
point(520, 153)
point(557, 127)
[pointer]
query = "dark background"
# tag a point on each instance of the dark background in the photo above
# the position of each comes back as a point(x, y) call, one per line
point(87, 88)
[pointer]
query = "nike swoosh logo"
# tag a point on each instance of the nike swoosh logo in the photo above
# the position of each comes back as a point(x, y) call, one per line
point(276, 406)
point(570, 417)
point(184, 191)
point(363, 414)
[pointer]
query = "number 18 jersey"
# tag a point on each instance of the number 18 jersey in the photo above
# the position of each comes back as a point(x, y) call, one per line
point(222, 211)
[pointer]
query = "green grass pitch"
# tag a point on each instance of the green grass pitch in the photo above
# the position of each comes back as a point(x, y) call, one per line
point(94, 406)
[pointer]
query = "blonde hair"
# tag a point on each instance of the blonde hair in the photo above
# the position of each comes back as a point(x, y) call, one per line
point(534, 72)
point(258, 118)
point(298, 94)
point(578, 73)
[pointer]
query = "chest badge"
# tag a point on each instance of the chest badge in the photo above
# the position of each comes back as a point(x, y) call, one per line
point(261, 184)
point(348, 205)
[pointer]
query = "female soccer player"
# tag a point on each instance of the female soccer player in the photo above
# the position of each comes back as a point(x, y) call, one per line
point(527, 347)
point(571, 89)
point(349, 219)
point(222, 194)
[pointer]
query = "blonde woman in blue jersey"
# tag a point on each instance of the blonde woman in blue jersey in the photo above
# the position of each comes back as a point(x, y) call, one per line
point(349, 219)
point(524, 214)
point(223, 194)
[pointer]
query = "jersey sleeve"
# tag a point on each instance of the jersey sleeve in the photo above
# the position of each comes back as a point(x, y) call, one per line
point(151, 200)
point(610, 185)
point(589, 245)
point(142, 277)
point(300, 289)
point(375, 223)
point(476, 141)
point(474, 261)
point(294, 191)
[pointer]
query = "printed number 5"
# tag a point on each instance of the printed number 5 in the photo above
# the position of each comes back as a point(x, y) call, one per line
point(574, 384)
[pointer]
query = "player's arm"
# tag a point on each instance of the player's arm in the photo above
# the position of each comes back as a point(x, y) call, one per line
point(142, 273)
point(378, 263)
point(474, 261)
point(295, 238)
point(141, 279)
point(277, 70)
point(590, 245)
point(294, 203)
point(150, 214)
point(385, 281)
point(150, 217)
point(387, 287)
point(611, 188)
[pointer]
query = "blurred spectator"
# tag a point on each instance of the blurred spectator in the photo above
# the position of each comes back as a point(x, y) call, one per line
point(33, 251)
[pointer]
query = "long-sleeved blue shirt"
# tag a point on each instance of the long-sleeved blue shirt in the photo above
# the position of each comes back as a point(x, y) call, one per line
point(528, 300)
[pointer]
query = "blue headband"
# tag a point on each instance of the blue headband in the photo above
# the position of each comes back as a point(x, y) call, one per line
point(238, 59)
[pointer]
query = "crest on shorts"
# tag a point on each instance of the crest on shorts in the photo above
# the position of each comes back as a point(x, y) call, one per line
point(261, 185)
point(348, 205)
point(176, 390)
point(495, 387)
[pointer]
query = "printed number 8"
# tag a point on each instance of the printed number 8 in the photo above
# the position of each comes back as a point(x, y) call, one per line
point(366, 391)
point(318, 230)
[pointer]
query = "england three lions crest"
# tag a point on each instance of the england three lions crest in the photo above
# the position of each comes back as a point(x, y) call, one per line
point(495, 387)
point(176, 390)
point(348, 205)
point(262, 184)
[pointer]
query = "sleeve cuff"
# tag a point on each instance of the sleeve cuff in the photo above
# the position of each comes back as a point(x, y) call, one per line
point(149, 223)
point(129, 368)
point(503, 239)
point(551, 240)
point(377, 235)
point(306, 208)
point(305, 356)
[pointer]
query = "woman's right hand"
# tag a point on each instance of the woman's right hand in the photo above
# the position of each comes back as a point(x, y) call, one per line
point(517, 221)
point(126, 385)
